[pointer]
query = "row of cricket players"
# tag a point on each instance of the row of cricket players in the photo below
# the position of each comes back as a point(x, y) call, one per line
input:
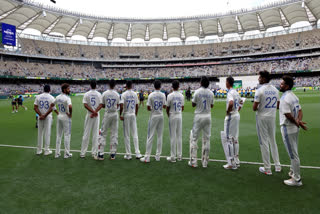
point(266, 103)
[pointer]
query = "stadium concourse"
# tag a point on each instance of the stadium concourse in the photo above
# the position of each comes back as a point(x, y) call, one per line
point(280, 38)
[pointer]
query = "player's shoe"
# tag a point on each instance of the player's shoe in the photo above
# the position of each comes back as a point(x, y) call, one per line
point(179, 158)
point(292, 182)
point(192, 165)
point(278, 168)
point(237, 161)
point(264, 171)
point(49, 152)
point(39, 153)
point(204, 164)
point(138, 156)
point(26, 108)
point(157, 157)
point(227, 166)
point(100, 157)
point(16, 111)
point(57, 156)
point(12, 111)
point(127, 157)
point(112, 156)
point(68, 155)
point(290, 173)
point(82, 156)
point(145, 159)
point(172, 160)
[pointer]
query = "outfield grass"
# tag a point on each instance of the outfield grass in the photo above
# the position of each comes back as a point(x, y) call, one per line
point(38, 184)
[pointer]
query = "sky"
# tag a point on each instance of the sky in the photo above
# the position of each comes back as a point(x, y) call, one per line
point(153, 8)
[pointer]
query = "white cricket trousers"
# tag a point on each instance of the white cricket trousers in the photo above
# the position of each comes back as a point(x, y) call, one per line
point(63, 127)
point(290, 140)
point(175, 129)
point(266, 130)
point(110, 121)
point(44, 131)
point(200, 123)
point(229, 137)
point(90, 124)
point(155, 124)
point(130, 125)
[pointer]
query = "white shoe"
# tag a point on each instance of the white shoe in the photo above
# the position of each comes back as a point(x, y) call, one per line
point(68, 155)
point(227, 166)
point(204, 164)
point(290, 173)
point(145, 159)
point(49, 152)
point(179, 158)
point(172, 160)
point(12, 111)
point(39, 153)
point(95, 156)
point(157, 158)
point(278, 168)
point(138, 156)
point(292, 182)
point(82, 156)
point(127, 157)
point(16, 110)
point(237, 161)
point(57, 156)
point(26, 108)
point(192, 165)
point(266, 172)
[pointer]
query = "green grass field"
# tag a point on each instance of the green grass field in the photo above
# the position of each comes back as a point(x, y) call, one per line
point(42, 184)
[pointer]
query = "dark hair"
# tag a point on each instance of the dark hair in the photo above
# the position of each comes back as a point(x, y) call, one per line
point(175, 85)
point(112, 83)
point(288, 81)
point(204, 81)
point(129, 84)
point(230, 80)
point(265, 74)
point(157, 84)
point(93, 84)
point(64, 86)
point(46, 88)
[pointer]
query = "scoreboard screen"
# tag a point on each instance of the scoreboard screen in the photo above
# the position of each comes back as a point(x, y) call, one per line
point(8, 34)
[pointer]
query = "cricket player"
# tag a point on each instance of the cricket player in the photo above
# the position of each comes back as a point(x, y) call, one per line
point(63, 120)
point(129, 106)
point(156, 103)
point(91, 101)
point(20, 102)
point(42, 105)
point(203, 101)
point(175, 107)
point(290, 121)
point(14, 105)
point(266, 103)
point(110, 101)
point(229, 137)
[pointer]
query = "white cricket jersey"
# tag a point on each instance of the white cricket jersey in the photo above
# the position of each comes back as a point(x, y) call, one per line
point(235, 97)
point(43, 101)
point(203, 98)
point(129, 99)
point(111, 100)
point(156, 100)
point(175, 101)
point(289, 103)
point(63, 101)
point(267, 96)
point(92, 98)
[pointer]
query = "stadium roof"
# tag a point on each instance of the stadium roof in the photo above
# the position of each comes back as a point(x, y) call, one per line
point(27, 14)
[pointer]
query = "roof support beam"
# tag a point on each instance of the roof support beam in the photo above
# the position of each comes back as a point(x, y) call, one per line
point(284, 20)
point(7, 13)
point(182, 34)
point(220, 32)
point(261, 24)
point(311, 17)
point(165, 33)
point(240, 28)
point(49, 29)
point(110, 33)
point(129, 32)
point(201, 33)
point(93, 29)
point(147, 33)
point(29, 21)
point(71, 31)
